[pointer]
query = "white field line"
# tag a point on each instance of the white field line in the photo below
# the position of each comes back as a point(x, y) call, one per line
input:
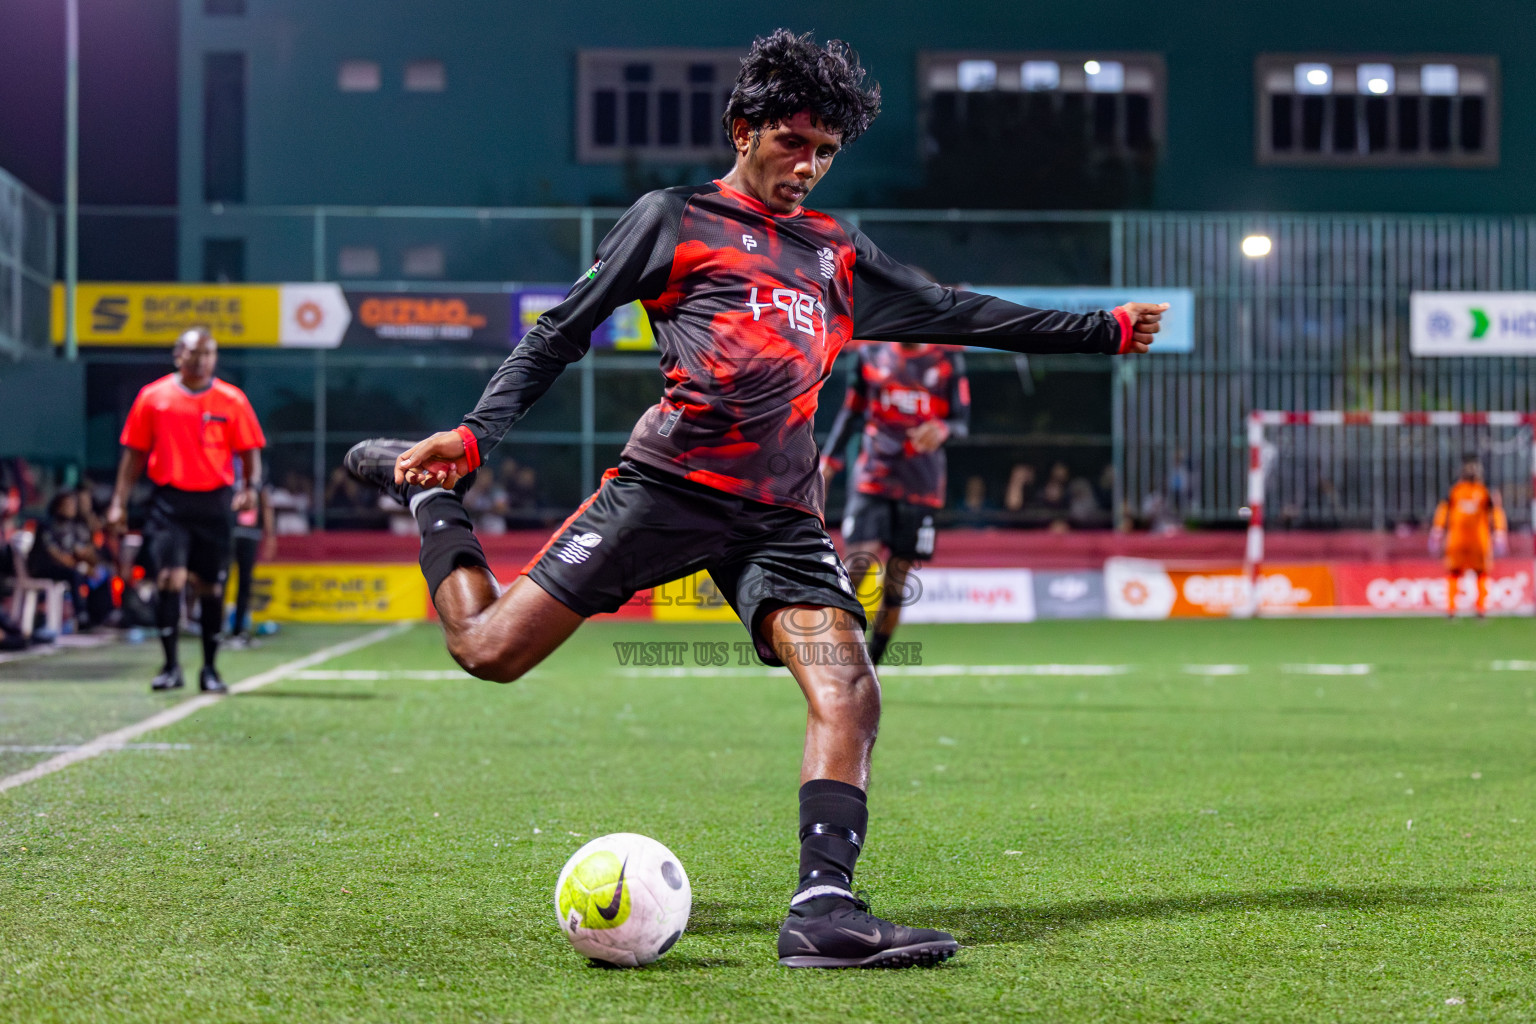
point(117, 739)
point(1327, 670)
point(59, 748)
point(1216, 670)
point(893, 670)
point(370, 675)
point(1513, 666)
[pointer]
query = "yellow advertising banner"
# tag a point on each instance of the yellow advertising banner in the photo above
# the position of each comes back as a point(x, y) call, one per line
point(339, 592)
point(691, 599)
point(157, 314)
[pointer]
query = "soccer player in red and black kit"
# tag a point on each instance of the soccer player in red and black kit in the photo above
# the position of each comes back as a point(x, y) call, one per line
point(186, 429)
point(910, 399)
point(751, 297)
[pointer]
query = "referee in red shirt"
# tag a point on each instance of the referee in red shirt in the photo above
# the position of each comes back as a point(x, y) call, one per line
point(186, 429)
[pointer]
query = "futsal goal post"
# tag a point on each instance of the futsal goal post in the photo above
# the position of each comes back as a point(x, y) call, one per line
point(1375, 470)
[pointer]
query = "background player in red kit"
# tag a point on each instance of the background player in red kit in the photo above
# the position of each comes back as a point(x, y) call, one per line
point(187, 429)
point(909, 399)
point(751, 297)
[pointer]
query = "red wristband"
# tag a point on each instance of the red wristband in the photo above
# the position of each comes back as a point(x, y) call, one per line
point(1123, 316)
point(471, 445)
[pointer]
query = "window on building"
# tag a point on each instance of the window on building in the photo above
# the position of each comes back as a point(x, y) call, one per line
point(1015, 128)
point(224, 127)
point(424, 261)
point(1335, 110)
point(359, 76)
point(654, 106)
point(357, 261)
point(425, 76)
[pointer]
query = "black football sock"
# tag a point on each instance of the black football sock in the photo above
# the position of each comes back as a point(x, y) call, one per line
point(447, 536)
point(833, 817)
point(877, 644)
point(212, 614)
point(167, 621)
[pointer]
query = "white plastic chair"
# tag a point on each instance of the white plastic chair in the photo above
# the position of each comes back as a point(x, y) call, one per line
point(28, 590)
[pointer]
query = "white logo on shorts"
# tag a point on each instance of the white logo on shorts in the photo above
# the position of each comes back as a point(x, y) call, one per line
point(579, 548)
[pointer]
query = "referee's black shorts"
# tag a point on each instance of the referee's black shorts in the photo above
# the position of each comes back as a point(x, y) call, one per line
point(191, 530)
point(645, 527)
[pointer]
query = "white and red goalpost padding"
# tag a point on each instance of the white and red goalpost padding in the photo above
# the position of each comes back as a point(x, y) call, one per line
point(1259, 420)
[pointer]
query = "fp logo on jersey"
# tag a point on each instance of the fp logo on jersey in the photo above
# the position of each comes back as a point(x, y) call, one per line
point(748, 242)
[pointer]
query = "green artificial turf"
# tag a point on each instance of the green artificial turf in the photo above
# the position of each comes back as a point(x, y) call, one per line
point(1147, 846)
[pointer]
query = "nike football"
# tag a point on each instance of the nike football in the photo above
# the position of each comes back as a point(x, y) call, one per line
point(623, 899)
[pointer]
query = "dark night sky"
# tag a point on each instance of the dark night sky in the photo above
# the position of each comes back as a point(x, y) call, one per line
point(127, 98)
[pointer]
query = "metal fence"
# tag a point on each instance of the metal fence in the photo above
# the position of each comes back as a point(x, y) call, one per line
point(27, 238)
point(1320, 323)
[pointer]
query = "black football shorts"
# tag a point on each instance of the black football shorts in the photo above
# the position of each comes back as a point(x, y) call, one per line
point(904, 528)
point(191, 530)
point(645, 527)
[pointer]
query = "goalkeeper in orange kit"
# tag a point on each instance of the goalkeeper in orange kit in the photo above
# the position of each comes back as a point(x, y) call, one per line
point(1470, 527)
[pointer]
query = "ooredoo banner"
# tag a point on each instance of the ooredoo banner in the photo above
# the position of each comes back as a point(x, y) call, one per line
point(1420, 586)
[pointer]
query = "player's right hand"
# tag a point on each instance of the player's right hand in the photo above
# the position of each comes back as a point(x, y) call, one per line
point(1436, 540)
point(439, 461)
point(115, 519)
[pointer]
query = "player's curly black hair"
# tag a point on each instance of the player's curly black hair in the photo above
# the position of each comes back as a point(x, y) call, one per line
point(785, 74)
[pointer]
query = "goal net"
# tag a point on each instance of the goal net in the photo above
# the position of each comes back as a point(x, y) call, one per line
point(1381, 471)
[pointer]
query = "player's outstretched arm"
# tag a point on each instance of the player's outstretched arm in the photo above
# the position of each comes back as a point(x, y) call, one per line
point(633, 263)
point(848, 417)
point(893, 302)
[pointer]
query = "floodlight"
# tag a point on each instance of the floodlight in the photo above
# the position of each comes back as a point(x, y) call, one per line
point(1376, 79)
point(1257, 246)
point(1314, 78)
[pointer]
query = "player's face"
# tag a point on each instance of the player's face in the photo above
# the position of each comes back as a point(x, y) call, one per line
point(780, 165)
point(197, 356)
point(1472, 470)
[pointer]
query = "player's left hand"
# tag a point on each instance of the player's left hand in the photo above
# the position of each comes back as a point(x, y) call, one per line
point(1145, 320)
point(1500, 543)
point(926, 437)
point(245, 498)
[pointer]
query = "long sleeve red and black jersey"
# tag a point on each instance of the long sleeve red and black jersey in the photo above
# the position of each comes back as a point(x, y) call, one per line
point(892, 390)
point(750, 309)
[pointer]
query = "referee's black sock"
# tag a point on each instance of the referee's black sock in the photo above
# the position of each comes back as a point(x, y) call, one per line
point(212, 615)
point(833, 819)
point(167, 620)
point(447, 536)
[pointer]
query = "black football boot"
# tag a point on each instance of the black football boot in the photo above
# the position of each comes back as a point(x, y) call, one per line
point(373, 462)
point(832, 931)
